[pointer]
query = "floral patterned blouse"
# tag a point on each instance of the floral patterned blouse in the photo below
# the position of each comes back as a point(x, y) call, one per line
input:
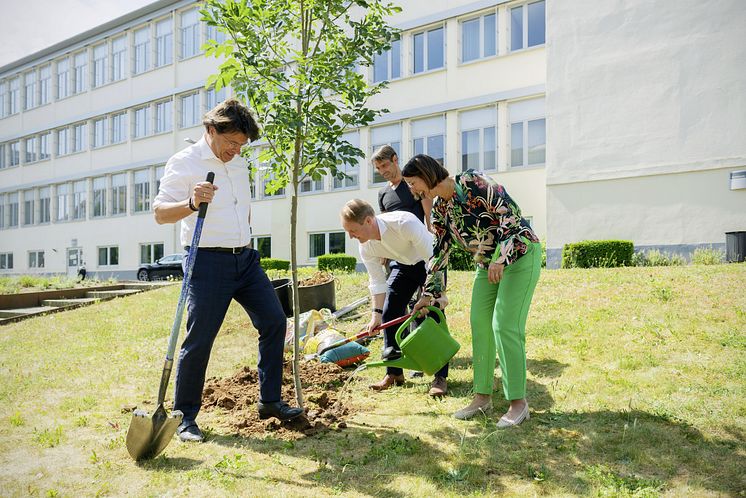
point(483, 219)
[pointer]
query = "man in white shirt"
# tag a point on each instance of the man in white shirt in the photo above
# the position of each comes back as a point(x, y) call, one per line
point(225, 268)
point(401, 237)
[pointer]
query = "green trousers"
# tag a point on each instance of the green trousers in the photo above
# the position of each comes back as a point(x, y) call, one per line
point(498, 324)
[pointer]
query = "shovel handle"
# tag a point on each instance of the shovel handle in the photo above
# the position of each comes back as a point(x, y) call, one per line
point(361, 335)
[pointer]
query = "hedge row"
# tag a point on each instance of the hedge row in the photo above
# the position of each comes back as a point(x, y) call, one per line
point(337, 262)
point(274, 264)
point(598, 253)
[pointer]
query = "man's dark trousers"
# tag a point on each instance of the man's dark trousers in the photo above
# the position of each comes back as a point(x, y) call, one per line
point(217, 278)
point(403, 282)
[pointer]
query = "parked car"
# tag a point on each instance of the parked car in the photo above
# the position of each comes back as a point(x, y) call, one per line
point(167, 266)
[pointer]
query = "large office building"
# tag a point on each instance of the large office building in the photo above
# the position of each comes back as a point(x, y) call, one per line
point(87, 125)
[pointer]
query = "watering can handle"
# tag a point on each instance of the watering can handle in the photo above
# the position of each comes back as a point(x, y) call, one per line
point(404, 325)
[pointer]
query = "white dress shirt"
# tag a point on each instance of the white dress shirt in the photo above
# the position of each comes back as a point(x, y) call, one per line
point(227, 220)
point(404, 238)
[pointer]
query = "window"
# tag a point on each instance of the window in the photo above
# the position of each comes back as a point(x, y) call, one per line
point(159, 172)
point(164, 116)
point(14, 96)
point(142, 122)
point(214, 98)
point(387, 65)
point(32, 143)
point(45, 205)
point(119, 194)
point(13, 209)
point(30, 90)
point(63, 78)
point(99, 196)
point(80, 196)
point(45, 81)
point(63, 142)
point(428, 137)
point(119, 58)
point(429, 50)
point(3, 157)
point(479, 139)
point(80, 137)
point(142, 191)
point(142, 50)
point(108, 256)
point(326, 243)
point(6, 261)
point(311, 185)
point(3, 222)
point(263, 246)
point(213, 33)
point(100, 132)
point(118, 127)
point(267, 185)
point(479, 37)
point(383, 135)
point(81, 68)
point(3, 99)
point(28, 207)
point(100, 63)
point(63, 196)
point(150, 253)
point(36, 259)
point(44, 146)
point(15, 154)
point(189, 111)
point(189, 33)
point(527, 133)
point(527, 26)
point(352, 170)
point(164, 42)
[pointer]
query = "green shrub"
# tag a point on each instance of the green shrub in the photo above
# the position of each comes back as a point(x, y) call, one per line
point(336, 262)
point(654, 257)
point(597, 253)
point(708, 256)
point(274, 264)
point(460, 259)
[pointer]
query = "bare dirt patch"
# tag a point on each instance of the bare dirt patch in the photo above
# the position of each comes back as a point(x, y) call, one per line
point(238, 396)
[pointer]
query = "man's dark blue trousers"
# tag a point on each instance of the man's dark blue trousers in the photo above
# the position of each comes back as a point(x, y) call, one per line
point(218, 278)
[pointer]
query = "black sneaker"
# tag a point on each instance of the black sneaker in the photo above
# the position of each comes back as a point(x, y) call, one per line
point(189, 432)
point(280, 410)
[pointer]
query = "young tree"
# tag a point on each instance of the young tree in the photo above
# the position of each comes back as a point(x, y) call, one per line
point(297, 64)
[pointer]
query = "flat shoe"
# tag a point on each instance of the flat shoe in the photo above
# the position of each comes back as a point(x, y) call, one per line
point(505, 422)
point(388, 381)
point(189, 432)
point(469, 412)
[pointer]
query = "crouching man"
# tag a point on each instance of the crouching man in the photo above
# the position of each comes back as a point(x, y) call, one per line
point(401, 237)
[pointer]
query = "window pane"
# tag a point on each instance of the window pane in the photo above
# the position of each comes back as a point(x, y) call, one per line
point(396, 59)
point(381, 67)
point(113, 255)
point(102, 256)
point(516, 144)
point(470, 150)
point(419, 52)
point(536, 24)
point(516, 28)
point(264, 247)
point(418, 146)
point(336, 242)
point(470, 42)
point(490, 156)
point(537, 140)
point(435, 48)
point(317, 244)
point(436, 148)
point(490, 35)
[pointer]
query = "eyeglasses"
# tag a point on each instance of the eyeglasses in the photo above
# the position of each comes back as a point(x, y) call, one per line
point(236, 145)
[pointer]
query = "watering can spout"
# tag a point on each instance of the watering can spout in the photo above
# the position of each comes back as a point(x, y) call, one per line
point(405, 363)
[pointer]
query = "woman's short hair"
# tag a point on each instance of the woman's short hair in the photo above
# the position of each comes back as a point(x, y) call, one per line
point(427, 168)
point(231, 116)
point(384, 153)
point(357, 210)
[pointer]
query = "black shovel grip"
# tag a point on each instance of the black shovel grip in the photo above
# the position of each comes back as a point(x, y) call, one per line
point(203, 205)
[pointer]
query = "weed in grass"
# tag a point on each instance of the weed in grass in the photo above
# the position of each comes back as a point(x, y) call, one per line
point(52, 493)
point(612, 484)
point(81, 421)
point(116, 442)
point(708, 256)
point(48, 438)
point(94, 459)
point(232, 464)
point(537, 473)
point(454, 475)
point(663, 294)
point(16, 420)
point(103, 490)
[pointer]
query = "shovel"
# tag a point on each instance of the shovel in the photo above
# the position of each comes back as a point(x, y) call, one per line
point(148, 436)
point(361, 335)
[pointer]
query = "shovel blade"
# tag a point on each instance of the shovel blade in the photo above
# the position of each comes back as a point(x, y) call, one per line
point(148, 436)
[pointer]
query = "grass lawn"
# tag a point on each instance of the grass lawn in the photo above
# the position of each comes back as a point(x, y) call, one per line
point(636, 380)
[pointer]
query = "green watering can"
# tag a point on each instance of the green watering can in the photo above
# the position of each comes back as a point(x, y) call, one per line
point(428, 348)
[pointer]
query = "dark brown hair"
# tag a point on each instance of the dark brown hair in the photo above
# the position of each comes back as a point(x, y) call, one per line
point(357, 210)
point(427, 168)
point(232, 116)
point(384, 152)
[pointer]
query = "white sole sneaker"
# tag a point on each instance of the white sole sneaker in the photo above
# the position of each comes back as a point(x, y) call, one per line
point(504, 423)
point(468, 413)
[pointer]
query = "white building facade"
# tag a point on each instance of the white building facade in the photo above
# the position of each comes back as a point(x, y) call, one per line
point(646, 104)
point(87, 125)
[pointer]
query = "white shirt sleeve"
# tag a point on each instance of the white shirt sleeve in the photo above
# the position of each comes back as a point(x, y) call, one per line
point(175, 185)
point(376, 275)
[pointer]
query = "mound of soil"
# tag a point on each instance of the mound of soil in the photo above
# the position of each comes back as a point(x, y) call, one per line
point(238, 396)
point(318, 278)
